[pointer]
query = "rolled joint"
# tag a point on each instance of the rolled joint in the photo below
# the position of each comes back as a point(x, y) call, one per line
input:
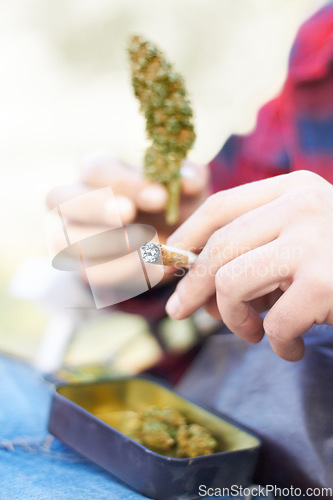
point(156, 253)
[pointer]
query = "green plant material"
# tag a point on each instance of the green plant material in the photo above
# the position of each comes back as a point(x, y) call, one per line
point(165, 430)
point(194, 440)
point(156, 435)
point(168, 114)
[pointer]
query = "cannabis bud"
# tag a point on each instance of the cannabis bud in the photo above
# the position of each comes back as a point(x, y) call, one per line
point(168, 114)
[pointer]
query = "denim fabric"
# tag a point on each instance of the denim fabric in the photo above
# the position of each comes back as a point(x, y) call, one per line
point(33, 464)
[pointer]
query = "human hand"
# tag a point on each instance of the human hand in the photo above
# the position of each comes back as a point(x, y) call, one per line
point(266, 244)
point(136, 199)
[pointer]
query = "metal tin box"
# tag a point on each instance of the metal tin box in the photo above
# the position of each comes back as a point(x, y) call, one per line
point(87, 417)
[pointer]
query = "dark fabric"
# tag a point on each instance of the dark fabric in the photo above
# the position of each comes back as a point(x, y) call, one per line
point(290, 405)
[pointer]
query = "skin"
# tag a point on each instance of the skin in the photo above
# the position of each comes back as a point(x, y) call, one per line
point(267, 244)
point(137, 199)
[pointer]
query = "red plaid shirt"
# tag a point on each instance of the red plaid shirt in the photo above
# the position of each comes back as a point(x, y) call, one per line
point(295, 130)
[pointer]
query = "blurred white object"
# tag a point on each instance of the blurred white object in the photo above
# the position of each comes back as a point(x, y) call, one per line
point(54, 344)
point(65, 298)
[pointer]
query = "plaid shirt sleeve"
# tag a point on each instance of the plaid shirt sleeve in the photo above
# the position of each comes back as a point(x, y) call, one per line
point(295, 130)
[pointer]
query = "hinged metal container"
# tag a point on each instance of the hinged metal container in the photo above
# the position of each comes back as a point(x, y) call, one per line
point(88, 417)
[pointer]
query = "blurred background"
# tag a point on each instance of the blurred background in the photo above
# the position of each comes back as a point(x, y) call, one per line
point(65, 94)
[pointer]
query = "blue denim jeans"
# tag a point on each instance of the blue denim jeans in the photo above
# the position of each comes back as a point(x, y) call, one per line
point(33, 464)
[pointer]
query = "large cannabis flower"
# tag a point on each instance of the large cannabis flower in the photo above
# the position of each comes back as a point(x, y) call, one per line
point(168, 113)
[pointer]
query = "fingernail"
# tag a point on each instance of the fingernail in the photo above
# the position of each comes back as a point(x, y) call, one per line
point(173, 306)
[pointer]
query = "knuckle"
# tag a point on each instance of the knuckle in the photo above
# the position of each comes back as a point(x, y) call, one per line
point(306, 199)
point(312, 197)
point(212, 203)
point(307, 177)
point(318, 281)
point(224, 283)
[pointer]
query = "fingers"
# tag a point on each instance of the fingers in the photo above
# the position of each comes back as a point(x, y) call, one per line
point(237, 238)
point(305, 302)
point(262, 304)
point(212, 309)
point(257, 273)
point(125, 179)
point(150, 196)
point(225, 206)
point(82, 205)
point(105, 170)
point(130, 192)
point(291, 316)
